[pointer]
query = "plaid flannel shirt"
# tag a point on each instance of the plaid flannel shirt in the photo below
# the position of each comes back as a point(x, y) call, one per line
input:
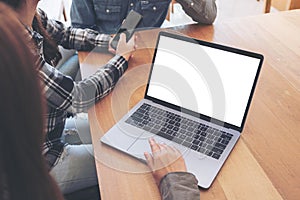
point(62, 93)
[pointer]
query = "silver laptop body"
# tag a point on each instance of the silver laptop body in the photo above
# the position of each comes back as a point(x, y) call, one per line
point(197, 98)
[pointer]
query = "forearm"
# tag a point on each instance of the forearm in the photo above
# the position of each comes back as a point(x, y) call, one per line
point(84, 39)
point(63, 93)
point(179, 186)
point(202, 11)
point(88, 91)
point(74, 38)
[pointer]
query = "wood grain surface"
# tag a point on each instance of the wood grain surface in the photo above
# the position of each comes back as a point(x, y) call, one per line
point(265, 163)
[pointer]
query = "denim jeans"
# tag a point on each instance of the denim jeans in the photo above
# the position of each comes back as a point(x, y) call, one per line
point(106, 16)
point(76, 169)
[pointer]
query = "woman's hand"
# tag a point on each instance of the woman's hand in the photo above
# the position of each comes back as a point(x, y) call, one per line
point(124, 48)
point(164, 159)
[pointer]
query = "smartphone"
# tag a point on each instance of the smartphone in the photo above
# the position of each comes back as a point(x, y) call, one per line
point(130, 23)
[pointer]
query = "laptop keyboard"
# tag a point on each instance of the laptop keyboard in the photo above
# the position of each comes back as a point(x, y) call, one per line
point(197, 136)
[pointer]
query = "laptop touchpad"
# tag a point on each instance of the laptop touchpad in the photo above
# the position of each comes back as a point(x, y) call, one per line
point(121, 139)
point(142, 145)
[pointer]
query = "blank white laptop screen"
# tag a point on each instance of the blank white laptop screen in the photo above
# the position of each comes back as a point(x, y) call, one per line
point(209, 81)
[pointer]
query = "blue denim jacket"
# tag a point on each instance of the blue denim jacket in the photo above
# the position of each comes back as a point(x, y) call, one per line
point(106, 16)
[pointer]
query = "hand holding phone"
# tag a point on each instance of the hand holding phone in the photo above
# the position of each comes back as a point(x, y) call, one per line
point(130, 23)
point(126, 49)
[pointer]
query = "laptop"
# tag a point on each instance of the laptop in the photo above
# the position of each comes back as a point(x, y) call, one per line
point(197, 98)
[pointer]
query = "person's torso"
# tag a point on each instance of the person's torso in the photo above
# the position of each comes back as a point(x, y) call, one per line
point(109, 14)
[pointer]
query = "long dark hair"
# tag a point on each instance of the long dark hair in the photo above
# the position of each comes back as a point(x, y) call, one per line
point(50, 47)
point(23, 172)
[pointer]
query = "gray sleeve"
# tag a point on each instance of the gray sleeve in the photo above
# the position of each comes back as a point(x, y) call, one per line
point(202, 11)
point(179, 186)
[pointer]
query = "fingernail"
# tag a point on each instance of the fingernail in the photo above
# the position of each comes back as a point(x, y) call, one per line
point(151, 140)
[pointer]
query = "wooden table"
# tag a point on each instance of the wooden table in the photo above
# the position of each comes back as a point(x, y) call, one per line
point(265, 164)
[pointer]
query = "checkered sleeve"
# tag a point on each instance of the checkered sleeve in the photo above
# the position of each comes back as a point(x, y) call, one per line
point(57, 87)
point(74, 38)
point(92, 89)
point(63, 93)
